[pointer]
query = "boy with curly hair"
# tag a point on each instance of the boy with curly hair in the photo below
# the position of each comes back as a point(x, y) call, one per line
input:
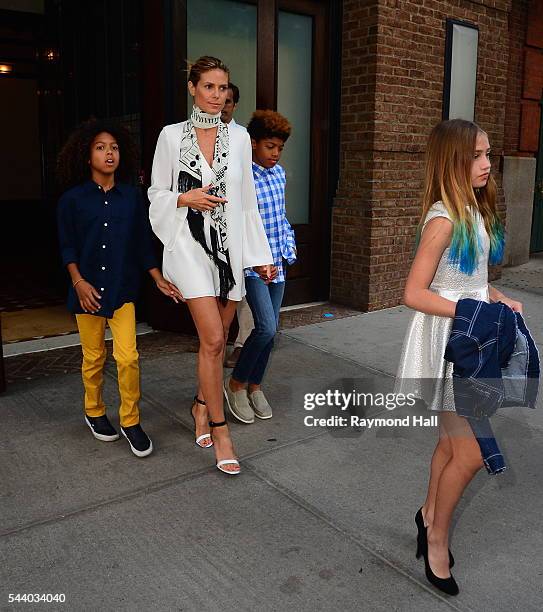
point(105, 244)
point(268, 131)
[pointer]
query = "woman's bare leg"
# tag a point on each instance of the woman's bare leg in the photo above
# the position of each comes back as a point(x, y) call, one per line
point(227, 312)
point(227, 316)
point(206, 315)
point(440, 458)
point(455, 476)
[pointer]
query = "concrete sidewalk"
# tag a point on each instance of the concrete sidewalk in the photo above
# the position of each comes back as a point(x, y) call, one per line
point(320, 519)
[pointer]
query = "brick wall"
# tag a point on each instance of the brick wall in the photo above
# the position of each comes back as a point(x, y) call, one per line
point(517, 39)
point(351, 224)
point(392, 83)
point(532, 89)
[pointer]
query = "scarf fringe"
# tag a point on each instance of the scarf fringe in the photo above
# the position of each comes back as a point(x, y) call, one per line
point(226, 277)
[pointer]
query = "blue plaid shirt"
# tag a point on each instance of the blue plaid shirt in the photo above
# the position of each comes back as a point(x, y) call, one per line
point(270, 194)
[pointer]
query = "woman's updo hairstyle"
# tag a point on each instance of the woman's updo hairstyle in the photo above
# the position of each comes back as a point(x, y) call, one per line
point(204, 64)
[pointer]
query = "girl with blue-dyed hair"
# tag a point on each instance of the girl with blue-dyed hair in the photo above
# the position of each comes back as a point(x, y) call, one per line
point(459, 234)
point(458, 179)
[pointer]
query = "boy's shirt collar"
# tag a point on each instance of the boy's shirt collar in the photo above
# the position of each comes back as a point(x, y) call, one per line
point(261, 171)
point(89, 186)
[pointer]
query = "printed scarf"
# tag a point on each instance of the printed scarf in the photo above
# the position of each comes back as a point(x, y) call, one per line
point(214, 242)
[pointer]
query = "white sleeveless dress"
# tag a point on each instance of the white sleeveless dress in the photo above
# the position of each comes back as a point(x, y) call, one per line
point(423, 371)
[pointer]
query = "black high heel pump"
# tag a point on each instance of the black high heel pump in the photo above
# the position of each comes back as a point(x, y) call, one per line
point(422, 540)
point(446, 585)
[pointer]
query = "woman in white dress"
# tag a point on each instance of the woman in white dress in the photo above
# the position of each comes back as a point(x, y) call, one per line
point(461, 233)
point(204, 210)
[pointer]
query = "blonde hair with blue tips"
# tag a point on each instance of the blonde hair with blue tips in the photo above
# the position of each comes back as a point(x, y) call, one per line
point(449, 159)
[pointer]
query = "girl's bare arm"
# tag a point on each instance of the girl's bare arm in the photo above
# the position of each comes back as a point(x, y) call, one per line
point(435, 239)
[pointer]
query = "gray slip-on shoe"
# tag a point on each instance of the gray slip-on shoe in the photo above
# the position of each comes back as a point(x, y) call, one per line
point(260, 405)
point(238, 404)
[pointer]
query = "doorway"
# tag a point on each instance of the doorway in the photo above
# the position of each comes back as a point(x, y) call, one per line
point(281, 54)
point(32, 292)
point(536, 242)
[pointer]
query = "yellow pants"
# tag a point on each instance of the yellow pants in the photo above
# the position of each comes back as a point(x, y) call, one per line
point(92, 334)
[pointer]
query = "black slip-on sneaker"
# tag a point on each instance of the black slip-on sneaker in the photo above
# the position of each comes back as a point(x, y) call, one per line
point(101, 428)
point(139, 441)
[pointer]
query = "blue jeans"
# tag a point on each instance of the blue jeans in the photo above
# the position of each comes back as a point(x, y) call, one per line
point(264, 302)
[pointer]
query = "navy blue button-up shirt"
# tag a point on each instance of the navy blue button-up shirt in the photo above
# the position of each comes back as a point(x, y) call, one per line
point(108, 235)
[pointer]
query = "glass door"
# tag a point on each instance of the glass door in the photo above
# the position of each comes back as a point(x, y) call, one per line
point(305, 56)
point(232, 39)
point(294, 87)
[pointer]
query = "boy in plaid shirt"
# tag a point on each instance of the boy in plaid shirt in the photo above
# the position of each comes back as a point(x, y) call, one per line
point(268, 131)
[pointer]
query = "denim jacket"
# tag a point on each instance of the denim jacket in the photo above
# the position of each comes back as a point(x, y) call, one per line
point(521, 374)
point(496, 363)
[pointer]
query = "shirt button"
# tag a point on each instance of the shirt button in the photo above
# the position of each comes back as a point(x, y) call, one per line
point(105, 224)
point(103, 246)
point(102, 289)
point(103, 267)
point(105, 202)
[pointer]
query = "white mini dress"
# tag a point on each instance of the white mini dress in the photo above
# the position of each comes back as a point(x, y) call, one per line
point(185, 263)
point(422, 370)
